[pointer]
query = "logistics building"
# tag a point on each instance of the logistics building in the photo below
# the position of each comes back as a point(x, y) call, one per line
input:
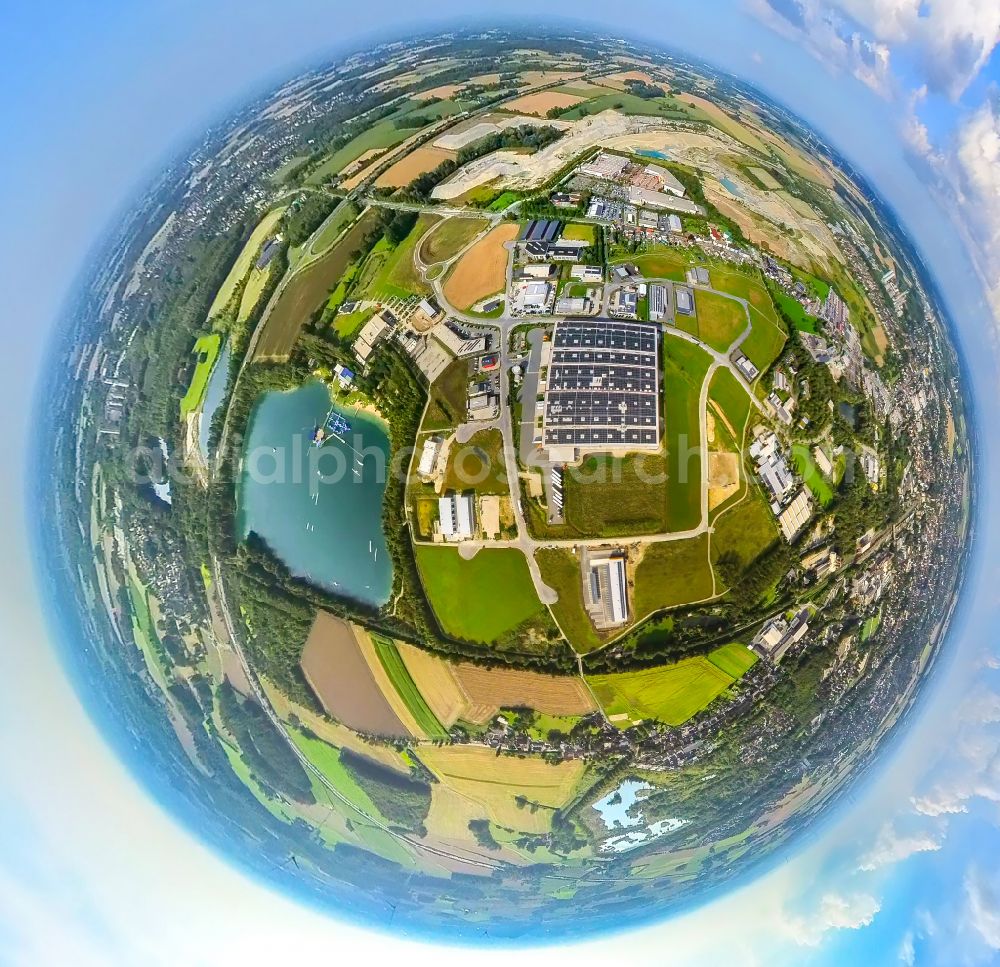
point(603, 388)
point(457, 513)
point(607, 590)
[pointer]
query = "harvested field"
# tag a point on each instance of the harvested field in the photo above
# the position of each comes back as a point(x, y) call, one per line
point(620, 81)
point(482, 271)
point(541, 103)
point(336, 670)
point(423, 159)
point(437, 682)
point(539, 78)
point(724, 122)
point(306, 291)
point(383, 679)
point(493, 782)
point(443, 92)
point(450, 238)
point(485, 79)
point(723, 478)
point(765, 178)
point(796, 161)
point(490, 689)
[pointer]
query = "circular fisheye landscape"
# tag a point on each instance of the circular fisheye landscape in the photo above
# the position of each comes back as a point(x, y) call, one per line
point(504, 485)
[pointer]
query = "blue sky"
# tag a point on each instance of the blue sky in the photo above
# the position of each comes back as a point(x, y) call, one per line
point(94, 96)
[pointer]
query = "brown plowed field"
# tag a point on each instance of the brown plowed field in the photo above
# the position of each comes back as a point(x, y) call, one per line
point(337, 672)
point(306, 291)
point(424, 158)
point(482, 271)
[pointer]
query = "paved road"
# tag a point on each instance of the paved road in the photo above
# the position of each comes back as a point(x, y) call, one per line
point(529, 453)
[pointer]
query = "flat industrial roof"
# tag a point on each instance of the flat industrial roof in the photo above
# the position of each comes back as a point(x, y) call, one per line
point(603, 385)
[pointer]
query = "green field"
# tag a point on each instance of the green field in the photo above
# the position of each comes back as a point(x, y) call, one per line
point(465, 594)
point(870, 626)
point(732, 399)
point(684, 369)
point(449, 396)
point(390, 270)
point(307, 290)
point(720, 320)
point(667, 264)
point(380, 136)
point(451, 237)
point(812, 476)
point(765, 342)
point(342, 216)
point(478, 465)
point(503, 201)
point(672, 573)
point(670, 693)
point(326, 758)
point(579, 232)
point(747, 529)
point(792, 308)
point(245, 260)
point(207, 348)
point(561, 572)
point(616, 497)
point(629, 104)
point(746, 287)
point(734, 659)
point(350, 323)
point(402, 681)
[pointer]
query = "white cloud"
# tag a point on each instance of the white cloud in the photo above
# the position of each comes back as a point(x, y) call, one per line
point(835, 911)
point(951, 40)
point(977, 177)
point(983, 908)
point(907, 951)
point(830, 39)
point(893, 847)
point(967, 172)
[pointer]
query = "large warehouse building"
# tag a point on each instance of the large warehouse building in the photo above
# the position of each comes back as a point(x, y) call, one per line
point(603, 388)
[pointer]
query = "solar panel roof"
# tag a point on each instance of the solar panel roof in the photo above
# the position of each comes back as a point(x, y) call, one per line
point(603, 385)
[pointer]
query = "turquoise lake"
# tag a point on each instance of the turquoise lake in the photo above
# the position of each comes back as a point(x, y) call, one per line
point(319, 509)
point(214, 392)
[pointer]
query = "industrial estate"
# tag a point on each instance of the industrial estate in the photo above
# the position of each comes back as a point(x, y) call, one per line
point(553, 477)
